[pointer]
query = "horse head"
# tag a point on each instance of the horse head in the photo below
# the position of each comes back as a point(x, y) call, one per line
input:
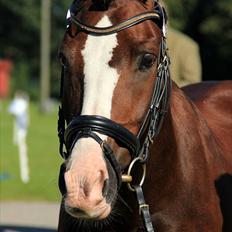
point(110, 56)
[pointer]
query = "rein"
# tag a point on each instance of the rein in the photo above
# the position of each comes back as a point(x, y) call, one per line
point(84, 126)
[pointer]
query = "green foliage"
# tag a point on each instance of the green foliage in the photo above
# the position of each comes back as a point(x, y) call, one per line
point(20, 41)
point(58, 24)
point(179, 11)
point(217, 26)
point(20, 27)
point(209, 23)
point(43, 156)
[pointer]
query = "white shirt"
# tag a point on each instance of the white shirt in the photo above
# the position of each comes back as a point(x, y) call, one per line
point(19, 108)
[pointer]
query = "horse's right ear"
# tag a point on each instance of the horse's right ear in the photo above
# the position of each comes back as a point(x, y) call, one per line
point(165, 9)
point(149, 3)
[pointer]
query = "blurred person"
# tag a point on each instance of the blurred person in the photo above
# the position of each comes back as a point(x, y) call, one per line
point(19, 109)
point(185, 65)
point(185, 58)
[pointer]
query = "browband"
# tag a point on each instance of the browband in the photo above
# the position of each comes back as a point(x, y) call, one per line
point(158, 14)
point(118, 27)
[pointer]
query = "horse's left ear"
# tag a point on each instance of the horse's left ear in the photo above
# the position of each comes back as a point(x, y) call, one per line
point(102, 3)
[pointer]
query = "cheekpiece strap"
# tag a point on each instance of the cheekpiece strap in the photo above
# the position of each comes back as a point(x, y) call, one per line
point(60, 131)
point(144, 209)
point(153, 121)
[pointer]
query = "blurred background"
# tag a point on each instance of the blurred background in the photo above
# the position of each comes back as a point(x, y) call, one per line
point(30, 34)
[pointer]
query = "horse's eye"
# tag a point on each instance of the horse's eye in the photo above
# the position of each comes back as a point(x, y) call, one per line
point(63, 60)
point(147, 61)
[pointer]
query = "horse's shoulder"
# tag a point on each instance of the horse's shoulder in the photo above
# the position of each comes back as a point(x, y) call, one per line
point(214, 100)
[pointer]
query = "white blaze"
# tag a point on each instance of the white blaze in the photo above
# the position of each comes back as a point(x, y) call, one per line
point(99, 80)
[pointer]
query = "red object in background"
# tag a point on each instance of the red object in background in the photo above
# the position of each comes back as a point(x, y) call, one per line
point(5, 69)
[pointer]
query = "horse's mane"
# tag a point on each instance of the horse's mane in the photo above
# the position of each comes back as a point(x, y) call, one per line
point(106, 3)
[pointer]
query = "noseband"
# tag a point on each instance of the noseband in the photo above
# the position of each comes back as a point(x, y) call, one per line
point(85, 126)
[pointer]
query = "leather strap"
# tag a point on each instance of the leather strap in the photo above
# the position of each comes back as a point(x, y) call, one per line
point(109, 155)
point(154, 118)
point(104, 126)
point(115, 28)
point(143, 209)
point(61, 130)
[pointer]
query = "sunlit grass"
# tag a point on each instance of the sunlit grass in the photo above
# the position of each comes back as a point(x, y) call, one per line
point(44, 160)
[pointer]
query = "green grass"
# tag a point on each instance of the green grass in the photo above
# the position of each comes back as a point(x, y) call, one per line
point(44, 160)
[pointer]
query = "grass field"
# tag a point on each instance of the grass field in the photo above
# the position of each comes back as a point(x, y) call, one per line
point(44, 160)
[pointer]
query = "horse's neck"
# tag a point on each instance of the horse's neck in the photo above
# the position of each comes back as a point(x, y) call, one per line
point(185, 147)
point(183, 166)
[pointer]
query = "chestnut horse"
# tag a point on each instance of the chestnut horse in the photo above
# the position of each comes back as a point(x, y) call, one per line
point(126, 122)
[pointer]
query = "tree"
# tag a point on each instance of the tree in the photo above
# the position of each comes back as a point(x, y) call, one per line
point(20, 41)
point(209, 23)
point(20, 38)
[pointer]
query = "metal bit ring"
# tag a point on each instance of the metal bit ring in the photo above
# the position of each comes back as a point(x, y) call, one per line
point(137, 159)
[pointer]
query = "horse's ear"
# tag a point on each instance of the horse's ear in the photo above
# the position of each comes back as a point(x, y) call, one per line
point(149, 3)
point(165, 9)
point(104, 3)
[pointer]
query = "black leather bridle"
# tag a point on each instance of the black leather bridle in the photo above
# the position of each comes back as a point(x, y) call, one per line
point(90, 125)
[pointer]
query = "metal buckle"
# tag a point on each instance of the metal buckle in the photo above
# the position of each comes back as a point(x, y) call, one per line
point(143, 206)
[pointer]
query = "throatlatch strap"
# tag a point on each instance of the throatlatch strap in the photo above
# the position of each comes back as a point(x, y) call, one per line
point(143, 209)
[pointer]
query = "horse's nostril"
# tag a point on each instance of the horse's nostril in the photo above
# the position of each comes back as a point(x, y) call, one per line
point(106, 186)
point(76, 211)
